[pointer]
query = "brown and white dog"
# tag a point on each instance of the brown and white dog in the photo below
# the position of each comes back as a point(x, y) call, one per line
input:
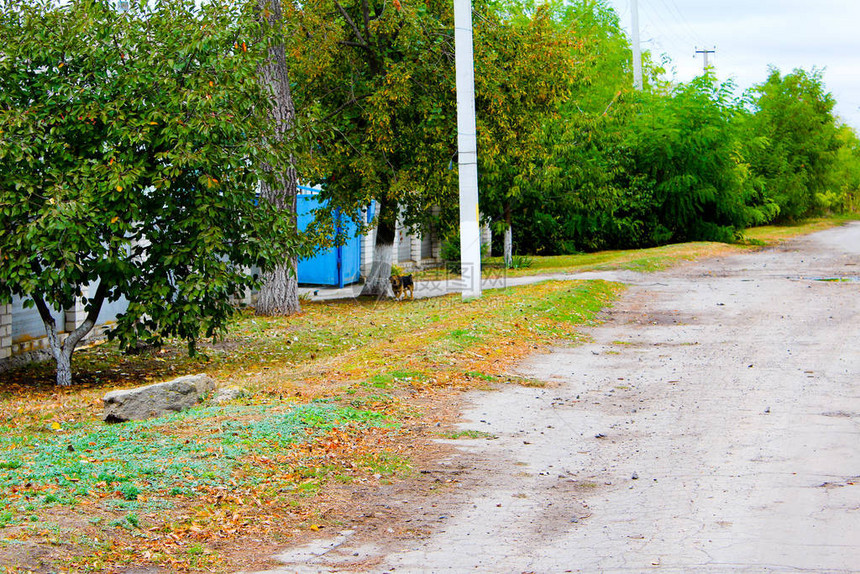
point(400, 284)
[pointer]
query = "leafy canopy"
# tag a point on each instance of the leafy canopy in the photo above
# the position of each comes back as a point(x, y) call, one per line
point(377, 80)
point(526, 67)
point(130, 154)
point(794, 117)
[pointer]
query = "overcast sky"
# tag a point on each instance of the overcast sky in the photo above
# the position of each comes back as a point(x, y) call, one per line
point(750, 35)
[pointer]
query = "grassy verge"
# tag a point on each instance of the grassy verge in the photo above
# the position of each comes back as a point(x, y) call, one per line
point(772, 234)
point(655, 258)
point(331, 401)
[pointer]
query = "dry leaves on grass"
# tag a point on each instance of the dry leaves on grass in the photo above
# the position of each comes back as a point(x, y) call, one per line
point(334, 400)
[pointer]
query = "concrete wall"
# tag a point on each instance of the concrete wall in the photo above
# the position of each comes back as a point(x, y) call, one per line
point(5, 332)
point(22, 333)
point(411, 251)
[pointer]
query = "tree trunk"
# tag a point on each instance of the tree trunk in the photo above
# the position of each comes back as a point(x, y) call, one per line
point(64, 368)
point(279, 294)
point(509, 240)
point(62, 351)
point(377, 283)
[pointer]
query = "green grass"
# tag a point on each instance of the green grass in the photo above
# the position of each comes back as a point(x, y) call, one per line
point(384, 463)
point(159, 459)
point(650, 259)
point(771, 234)
point(653, 259)
point(482, 376)
point(394, 378)
point(468, 434)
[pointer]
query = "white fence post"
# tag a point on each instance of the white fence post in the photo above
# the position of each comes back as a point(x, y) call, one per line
point(435, 239)
point(368, 241)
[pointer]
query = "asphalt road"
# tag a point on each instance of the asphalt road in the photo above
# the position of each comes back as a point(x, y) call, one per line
point(712, 425)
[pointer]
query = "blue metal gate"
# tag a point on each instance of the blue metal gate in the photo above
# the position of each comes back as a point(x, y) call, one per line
point(334, 266)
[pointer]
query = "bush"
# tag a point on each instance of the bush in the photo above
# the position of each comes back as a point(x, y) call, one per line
point(450, 253)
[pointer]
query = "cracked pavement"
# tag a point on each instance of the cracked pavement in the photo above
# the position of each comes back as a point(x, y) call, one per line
point(711, 425)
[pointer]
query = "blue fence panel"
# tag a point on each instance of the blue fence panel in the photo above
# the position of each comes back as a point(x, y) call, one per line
point(350, 254)
point(335, 266)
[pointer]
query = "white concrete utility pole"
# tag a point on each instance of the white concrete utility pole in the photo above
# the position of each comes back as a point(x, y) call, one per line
point(637, 50)
point(706, 64)
point(467, 144)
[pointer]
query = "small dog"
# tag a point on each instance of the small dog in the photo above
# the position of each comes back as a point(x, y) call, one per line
point(400, 284)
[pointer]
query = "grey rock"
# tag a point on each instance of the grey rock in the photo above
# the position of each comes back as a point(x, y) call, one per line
point(228, 394)
point(158, 399)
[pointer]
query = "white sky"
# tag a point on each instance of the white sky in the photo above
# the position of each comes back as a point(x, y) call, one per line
point(749, 35)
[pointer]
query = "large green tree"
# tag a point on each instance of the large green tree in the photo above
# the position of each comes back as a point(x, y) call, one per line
point(568, 198)
point(653, 167)
point(526, 66)
point(131, 146)
point(554, 85)
point(376, 79)
point(686, 150)
point(846, 173)
point(794, 116)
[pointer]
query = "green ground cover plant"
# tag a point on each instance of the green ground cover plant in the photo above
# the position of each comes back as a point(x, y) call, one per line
point(147, 463)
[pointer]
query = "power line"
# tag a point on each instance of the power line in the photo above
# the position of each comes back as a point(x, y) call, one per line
point(679, 17)
point(677, 29)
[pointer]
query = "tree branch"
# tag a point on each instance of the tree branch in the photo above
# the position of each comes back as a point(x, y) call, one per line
point(348, 104)
point(44, 312)
point(90, 321)
point(50, 325)
point(365, 14)
point(351, 23)
point(119, 50)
